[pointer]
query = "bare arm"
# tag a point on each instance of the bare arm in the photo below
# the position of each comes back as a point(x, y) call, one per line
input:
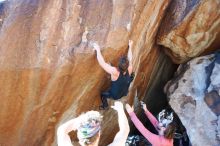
point(152, 119)
point(124, 128)
point(107, 67)
point(130, 56)
point(63, 138)
point(152, 138)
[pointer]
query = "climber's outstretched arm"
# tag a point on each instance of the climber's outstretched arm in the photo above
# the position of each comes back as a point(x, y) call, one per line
point(63, 138)
point(130, 56)
point(107, 67)
point(152, 119)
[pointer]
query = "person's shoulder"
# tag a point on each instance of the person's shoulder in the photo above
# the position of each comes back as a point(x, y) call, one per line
point(166, 140)
point(115, 71)
point(115, 74)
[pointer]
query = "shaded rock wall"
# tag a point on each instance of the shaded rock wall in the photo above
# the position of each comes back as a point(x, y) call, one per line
point(49, 73)
point(154, 96)
point(194, 94)
point(189, 28)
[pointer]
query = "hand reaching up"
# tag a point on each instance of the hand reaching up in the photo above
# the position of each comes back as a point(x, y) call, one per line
point(129, 109)
point(117, 106)
point(143, 105)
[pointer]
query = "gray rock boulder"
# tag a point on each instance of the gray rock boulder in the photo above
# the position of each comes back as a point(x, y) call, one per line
point(194, 94)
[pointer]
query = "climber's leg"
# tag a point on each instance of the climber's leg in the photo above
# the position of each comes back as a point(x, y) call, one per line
point(104, 96)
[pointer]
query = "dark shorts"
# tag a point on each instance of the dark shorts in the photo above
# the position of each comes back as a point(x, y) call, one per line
point(107, 94)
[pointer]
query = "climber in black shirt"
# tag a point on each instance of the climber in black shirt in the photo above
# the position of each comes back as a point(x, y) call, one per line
point(121, 76)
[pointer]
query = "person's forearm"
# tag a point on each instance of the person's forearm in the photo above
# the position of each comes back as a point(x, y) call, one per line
point(63, 138)
point(63, 130)
point(108, 68)
point(130, 55)
point(124, 129)
point(152, 138)
point(152, 119)
point(123, 121)
point(100, 58)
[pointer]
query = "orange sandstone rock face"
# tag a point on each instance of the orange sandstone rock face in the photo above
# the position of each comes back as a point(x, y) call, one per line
point(189, 28)
point(49, 74)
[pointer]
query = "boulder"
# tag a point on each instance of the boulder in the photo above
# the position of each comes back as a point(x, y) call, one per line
point(189, 28)
point(194, 95)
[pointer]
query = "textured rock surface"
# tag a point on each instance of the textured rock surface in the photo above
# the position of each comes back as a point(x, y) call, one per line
point(48, 72)
point(194, 95)
point(154, 96)
point(189, 28)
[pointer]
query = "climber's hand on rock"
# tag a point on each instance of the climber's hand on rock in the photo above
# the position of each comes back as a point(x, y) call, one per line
point(117, 106)
point(95, 46)
point(129, 109)
point(130, 43)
